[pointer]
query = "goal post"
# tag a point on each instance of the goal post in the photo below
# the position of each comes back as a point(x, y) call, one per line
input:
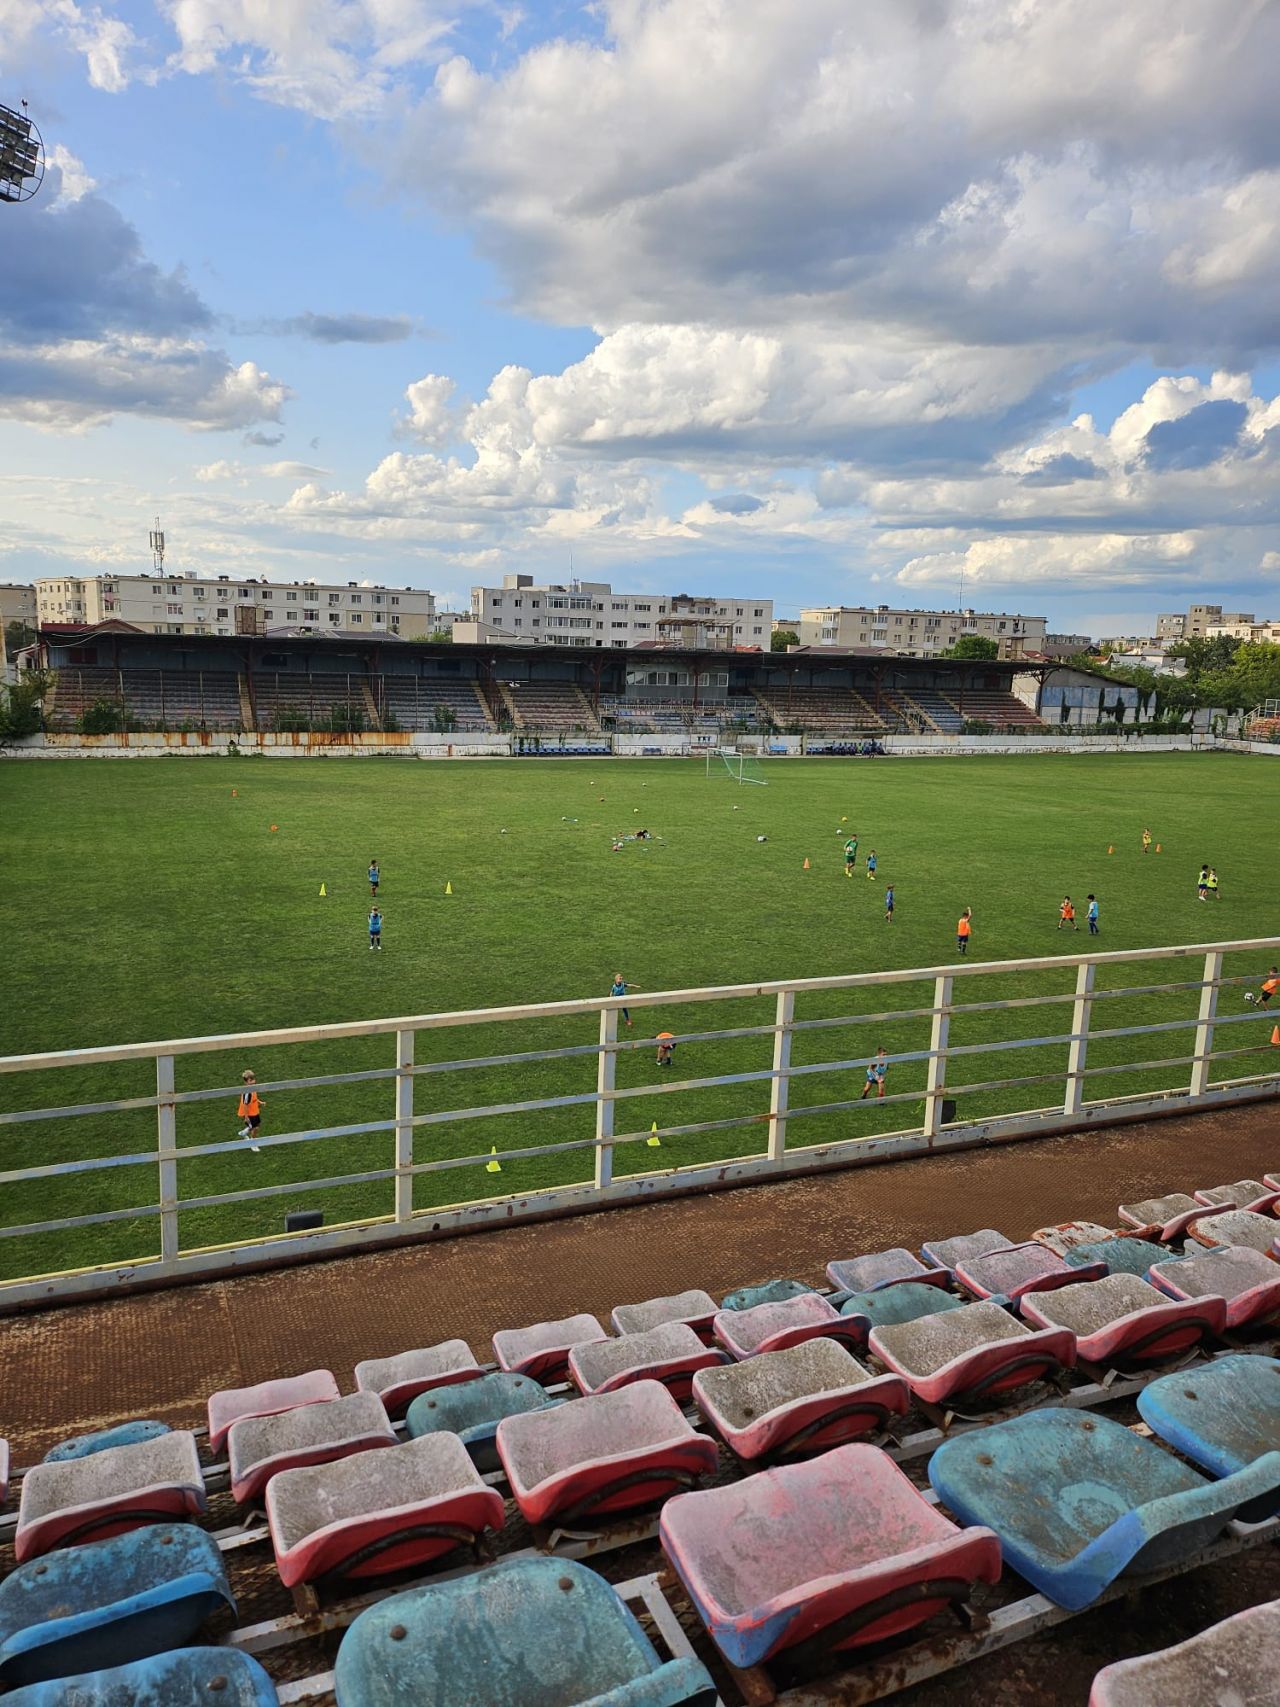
point(728, 764)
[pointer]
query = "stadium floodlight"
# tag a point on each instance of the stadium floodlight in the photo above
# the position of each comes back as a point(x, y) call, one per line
point(21, 156)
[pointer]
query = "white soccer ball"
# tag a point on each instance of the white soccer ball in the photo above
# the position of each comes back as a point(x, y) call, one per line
point(762, 838)
point(1250, 997)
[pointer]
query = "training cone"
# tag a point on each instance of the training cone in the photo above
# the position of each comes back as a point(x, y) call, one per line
point(1275, 1035)
point(653, 1141)
point(1111, 848)
point(448, 888)
point(1157, 847)
point(274, 828)
point(323, 891)
point(493, 1165)
point(806, 865)
point(235, 794)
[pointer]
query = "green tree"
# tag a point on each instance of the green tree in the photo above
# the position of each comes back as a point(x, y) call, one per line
point(17, 635)
point(441, 637)
point(782, 638)
point(973, 646)
point(20, 713)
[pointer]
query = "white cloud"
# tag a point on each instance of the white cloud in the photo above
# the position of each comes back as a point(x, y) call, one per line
point(71, 176)
point(76, 384)
point(244, 473)
point(431, 417)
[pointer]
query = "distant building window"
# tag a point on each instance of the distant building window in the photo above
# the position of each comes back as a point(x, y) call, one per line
point(291, 598)
point(175, 610)
point(395, 599)
point(357, 616)
point(335, 598)
point(356, 599)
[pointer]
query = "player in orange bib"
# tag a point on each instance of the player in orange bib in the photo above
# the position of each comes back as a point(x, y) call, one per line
point(1067, 914)
point(250, 1109)
point(964, 929)
point(1270, 984)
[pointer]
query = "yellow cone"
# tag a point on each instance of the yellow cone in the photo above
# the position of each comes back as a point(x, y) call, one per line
point(1157, 847)
point(1112, 848)
point(806, 865)
point(493, 1166)
point(322, 889)
point(448, 888)
point(653, 1141)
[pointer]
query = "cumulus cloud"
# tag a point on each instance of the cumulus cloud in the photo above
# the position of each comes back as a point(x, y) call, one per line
point(431, 415)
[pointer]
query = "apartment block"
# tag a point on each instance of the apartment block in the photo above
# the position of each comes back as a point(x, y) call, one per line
point(1197, 621)
point(590, 613)
point(226, 605)
point(917, 633)
point(17, 604)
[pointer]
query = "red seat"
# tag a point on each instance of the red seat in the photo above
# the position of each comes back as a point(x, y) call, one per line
point(695, 1308)
point(771, 1327)
point(1121, 1322)
point(1032, 1267)
point(1245, 1278)
point(542, 1351)
point(1218, 1227)
point(972, 1355)
point(669, 1354)
point(259, 1448)
point(398, 1380)
point(108, 1493)
point(1243, 1194)
point(265, 1400)
point(1165, 1218)
point(802, 1400)
point(884, 1268)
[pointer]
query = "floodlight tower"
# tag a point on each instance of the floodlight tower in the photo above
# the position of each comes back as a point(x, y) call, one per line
point(21, 156)
point(156, 541)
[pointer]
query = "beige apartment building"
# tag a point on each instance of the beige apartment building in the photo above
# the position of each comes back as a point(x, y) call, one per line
point(17, 604)
point(917, 633)
point(1237, 626)
point(225, 604)
point(590, 613)
point(1198, 620)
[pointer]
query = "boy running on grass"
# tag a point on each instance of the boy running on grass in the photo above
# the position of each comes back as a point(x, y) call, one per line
point(249, 1112)
point(375, 929)
point(1091, 913)
point(374, 877)
point(888, 905)
point(850, 855)
point(1146, 841)
point(1270, 984)
point(875, 1076)
point(1067, 914)
point(1211, 884)
point(964, 929)
point(1202, 883)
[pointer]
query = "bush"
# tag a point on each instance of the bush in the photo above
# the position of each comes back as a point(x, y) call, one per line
point(445, 719)
point(103, 717)
point(20, 713)
point(347, 719)
point(293, 722)
point(390, 723)
point(975, 726)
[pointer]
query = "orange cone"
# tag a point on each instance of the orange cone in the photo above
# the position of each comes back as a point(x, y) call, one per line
point(1157, 847)
point(275, 826)
point(1275, 1035)
point(235, 794)
point(1112, 848)
point(806, 865)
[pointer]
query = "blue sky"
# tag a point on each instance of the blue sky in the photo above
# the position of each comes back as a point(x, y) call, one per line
point(806, 301)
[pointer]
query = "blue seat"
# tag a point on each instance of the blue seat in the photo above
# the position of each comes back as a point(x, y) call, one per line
point(124, 1434)
point(108, 1602)
point(1222, 1415)
point(473, 1409)
point(193, 1677)
point(1123, 1255)
point(527, 1633)
point(1078, 1500)
point(771, 1292)
point(906, 1302)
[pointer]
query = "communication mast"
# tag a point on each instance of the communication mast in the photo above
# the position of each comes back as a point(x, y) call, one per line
point(21, 156)
point(156, 541)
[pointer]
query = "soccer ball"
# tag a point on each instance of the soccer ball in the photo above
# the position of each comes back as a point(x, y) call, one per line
point(762, 838)
point(1250, 997)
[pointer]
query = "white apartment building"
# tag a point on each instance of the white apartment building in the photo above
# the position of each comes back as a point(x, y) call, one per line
point(1238, 626)
point(1198, 620)
point(917, 633)
point(225, 604)
point(590, 613)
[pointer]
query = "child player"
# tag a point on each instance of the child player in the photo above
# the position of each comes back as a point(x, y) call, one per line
point(850, 856)
point(1146, 841)
point(871, 864)
point(964, 929)
point(375, 928)
point(249, 1112)
point(888, 905)
point(1067, 914)
point(374, 877)
point(875, 1075)
point(619, 988)
point(1270, 984)
point(1091, 913)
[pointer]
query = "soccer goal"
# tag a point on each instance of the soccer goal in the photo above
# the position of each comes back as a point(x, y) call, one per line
point(737, 767)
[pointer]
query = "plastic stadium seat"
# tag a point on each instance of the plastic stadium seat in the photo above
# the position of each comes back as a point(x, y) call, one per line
point(1243, 1194)
point(1021, 1269)
point(1249, 1281)
point(1125, 1254)
point(4, 1469)
point(543, 1350)
point(1165, 1218)
point(194, 1677)
point(1078, 1500)
point(884, 1268)
point(265, 1400)
point(108, 1493)
point(972, 1355)
point(528, 1633)
point(772, 1327)
point(695, 1309)
point(769, 1292)
point(602, 1455)
point(398, 1380)
point(669, 1354)
point(804, 1399)
point(1121, 1322)
point(1232, 1664)
point(947, 1253)
point(379, 1511)
point(904, 1303)
point(1223, 1416)
point(832, 1553)
point(1069, 1234)
point(124, 1434)
point(1235, 1227)
point(473, 1409)
point(108, 1603)
point(259, 1448)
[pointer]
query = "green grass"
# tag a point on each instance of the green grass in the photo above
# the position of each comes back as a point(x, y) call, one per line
point(142, 900)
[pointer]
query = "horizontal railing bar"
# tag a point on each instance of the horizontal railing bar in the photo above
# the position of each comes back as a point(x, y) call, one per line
point(100, 1218)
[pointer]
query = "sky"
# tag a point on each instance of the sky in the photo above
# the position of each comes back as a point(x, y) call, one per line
point(904, 302)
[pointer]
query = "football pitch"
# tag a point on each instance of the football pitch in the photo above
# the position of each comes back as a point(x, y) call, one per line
point(176, 897)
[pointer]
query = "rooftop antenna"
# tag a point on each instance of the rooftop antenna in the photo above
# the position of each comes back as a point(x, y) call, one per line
point(21, 156)
point(156, 541)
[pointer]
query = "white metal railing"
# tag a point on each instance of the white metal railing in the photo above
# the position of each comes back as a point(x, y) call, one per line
point(939, 1072)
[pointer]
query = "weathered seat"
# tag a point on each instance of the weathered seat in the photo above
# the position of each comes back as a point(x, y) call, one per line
point(767, 1292)
point(4, 1470)
point(123, 1434)
point(1068, 1234)
point(108, 1493)
point(259, 1448)
point(1122, 1322)
point(542, 1350)
point(696, 1309)
point(528, 1633)
point(193, 1677)
point(904, 1303)
point(264, 1400)
point(1079, 1500)
point(832, 1553)
point(947, 1253)
point(1125, 1254)
point(109, 1602)
point(398, 1380)
point(473, 1409)
point(1232, 1664)
point(884, 1268)
point(1164, 1218)
point(1248, 1280)
point(669, 1354)
point(805, 1399)
point(1243, 1194)
point(771, 1327)
point(379, 1511)
point(1223, 1416)
point(1217, 1227)
point(974, 1355)
point(592, 1459)
point(1021, 1269)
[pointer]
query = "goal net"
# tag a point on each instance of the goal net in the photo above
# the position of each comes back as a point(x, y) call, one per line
point(726, 764)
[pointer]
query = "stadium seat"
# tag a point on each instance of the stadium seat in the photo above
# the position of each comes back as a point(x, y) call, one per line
point(193, 1677)
point(379, 1511)
point(903, 1303)
point(1223, 1416)
point(598, 1457)
point(108, 1493)
point(542, 1351)
point(1019, 1270)
point(669, 1354)
point(771, 1327)
point(947, 1253)
point(259, 1448)
point(1121, 1322)
point(1232, 1664)
point(1235, 1227)
point(109, 1602)
point(1244, 1194)
point(1164, 1218)
point(832, 1553)
point(473, 1409)
point(974, 1355)
point(695, 1309)
point(398, 1380)
point(4, 1469)
point(1078, 1500)
point(884, 1268)
point(769, 1292)
point(265, 1400)
point(528, 1633)
point(124, 1434)
point(805, 1399)
point(1248, 1280)
point(1124, 1254)
point(1069, 1234)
